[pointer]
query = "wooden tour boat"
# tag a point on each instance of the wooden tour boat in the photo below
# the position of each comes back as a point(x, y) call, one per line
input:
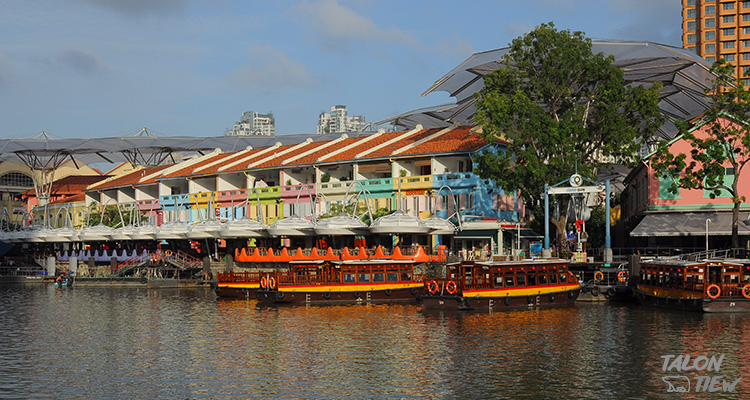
point(500, 285)
point(711, 285)
point(242, 284)
point(342, 282)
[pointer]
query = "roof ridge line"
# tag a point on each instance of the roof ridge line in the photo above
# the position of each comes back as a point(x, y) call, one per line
point(281, 153)
point(404, 135)
point(313, 150)
point(219, 161)
point(261, 151)
point(441, 132)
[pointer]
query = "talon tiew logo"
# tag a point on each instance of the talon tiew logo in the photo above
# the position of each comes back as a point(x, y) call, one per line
point(699, 383)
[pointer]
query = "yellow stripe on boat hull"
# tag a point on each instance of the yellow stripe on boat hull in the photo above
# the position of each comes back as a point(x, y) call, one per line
point(528, 291)
point(239, 285)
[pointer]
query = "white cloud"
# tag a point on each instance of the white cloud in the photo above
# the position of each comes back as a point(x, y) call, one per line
point(270, 70)
point(337, 22)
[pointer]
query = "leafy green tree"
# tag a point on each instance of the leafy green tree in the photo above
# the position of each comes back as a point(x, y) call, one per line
point(723, 142)
point(560, 109)
point(336, 209)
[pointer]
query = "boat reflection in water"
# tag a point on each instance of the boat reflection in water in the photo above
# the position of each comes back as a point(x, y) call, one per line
point(711, 285)
point(498, 285)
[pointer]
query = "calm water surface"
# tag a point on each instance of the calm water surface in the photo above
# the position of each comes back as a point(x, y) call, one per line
point(137, 343)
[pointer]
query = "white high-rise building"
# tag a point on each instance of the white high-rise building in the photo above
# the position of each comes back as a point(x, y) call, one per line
point(338, 121)
point(253, 123)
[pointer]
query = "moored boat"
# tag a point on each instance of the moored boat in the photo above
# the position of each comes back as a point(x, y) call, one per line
point(240, 285)
point(342, 282)
point(711, 285)
point(500, 285)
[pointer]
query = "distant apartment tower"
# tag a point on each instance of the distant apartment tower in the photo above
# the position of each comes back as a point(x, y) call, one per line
point(714, 29)
point(253, 123)
point(338, 121)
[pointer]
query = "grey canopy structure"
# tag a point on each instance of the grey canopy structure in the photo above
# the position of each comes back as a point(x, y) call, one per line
point(45, 154)
point(684, 76)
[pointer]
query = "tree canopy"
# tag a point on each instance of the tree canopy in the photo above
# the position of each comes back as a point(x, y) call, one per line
point(562, 110)
point(720, 142)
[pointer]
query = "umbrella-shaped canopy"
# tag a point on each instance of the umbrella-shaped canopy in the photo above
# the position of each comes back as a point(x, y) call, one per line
point(242, 228)
point(684, 76)
point(205, 230)
point(172, 230)
point(144, 232)
point(95, 233)
point(398, 222)
point(341, 224)
point(292, 226)
point(439, 226)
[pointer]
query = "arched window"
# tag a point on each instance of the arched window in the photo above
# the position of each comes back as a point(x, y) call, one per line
point(16, 179)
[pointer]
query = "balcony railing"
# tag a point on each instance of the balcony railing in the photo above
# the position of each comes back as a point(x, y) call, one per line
point(413, 182)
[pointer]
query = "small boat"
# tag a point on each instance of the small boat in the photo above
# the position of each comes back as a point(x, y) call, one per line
point(342, 282)
point(501, 285)
point(710, 285)
point(64, 280)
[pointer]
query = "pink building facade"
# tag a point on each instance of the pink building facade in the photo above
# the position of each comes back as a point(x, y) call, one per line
point(654, 217)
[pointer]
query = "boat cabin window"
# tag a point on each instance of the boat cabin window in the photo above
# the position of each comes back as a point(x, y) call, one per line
point(521, 279)
point(349, 278)
point(391, 277)
point(377, 277)
point(542, 279)
point(509, 281)
point(531, 279)
point(364, 277)
point(498, 281)
point(405, 276)
point(563, 277)
point(467, 278)
point(553, 278)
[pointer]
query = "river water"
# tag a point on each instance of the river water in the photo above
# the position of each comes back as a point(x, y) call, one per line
point(138, 343)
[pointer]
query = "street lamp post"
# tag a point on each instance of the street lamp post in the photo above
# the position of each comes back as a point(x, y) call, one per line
point(707, 221)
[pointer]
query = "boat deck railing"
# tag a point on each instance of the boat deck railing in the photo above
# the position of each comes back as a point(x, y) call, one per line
point(245, 276)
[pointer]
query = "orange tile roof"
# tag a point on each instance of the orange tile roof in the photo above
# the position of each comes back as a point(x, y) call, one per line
point(459, 139)
point(276, 161)
point(188, 170)
point(313, 157)
point(71, 184)
point(129, 179)
point(70, 199)
point(387, 150)
point(349, 154)
point(230, 158)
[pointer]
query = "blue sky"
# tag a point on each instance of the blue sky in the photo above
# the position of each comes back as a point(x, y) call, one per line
point(96, 68)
